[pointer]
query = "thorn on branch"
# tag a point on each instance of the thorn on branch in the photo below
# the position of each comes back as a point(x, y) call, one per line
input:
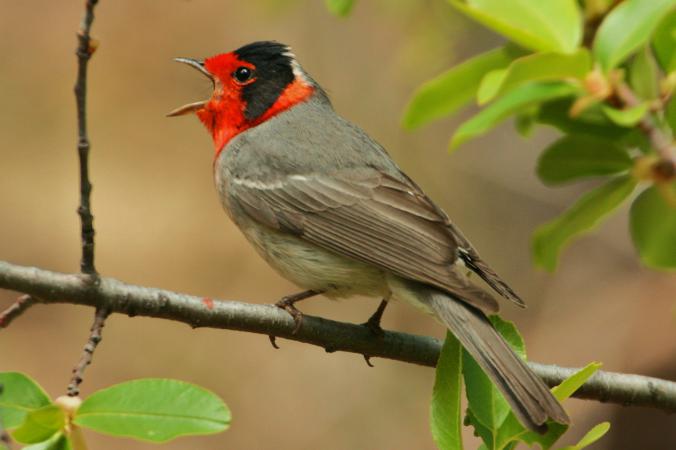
point(88, 351)
point(16, 309)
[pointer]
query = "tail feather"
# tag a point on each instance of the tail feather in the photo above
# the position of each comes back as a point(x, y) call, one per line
point(531, 400)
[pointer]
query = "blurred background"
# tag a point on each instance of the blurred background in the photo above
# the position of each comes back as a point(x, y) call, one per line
point(158, 222)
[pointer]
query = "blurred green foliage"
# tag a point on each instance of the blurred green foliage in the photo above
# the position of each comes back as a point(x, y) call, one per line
point(603, 73)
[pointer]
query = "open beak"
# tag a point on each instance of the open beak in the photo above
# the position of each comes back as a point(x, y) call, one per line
point(191, 107)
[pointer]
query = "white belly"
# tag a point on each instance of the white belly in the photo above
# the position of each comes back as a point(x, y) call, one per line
point(311, 267)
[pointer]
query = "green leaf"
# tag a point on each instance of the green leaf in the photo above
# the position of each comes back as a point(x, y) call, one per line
point(626, 117)
point(573, 382)
point(552, 25)
point(592, 436)
point(670, 114)
point(512, 431)
point(488, 409)
point(652, 222)
point(40, 425)
point(525, 121)
point(20, 395)
point(446, 422)
point(513, 102)
point(626, 28)
point(555, 113)
point(455, 88)
point(509, 427)
point(511, 334)
point(340, 8)
point(57, 442)
point(643, 74)
point(664, 43)
point(537, 67)
point(155, 410)
point(486, 434)
point(583, 216)
point(574, 157)
point(490, 85)
point(592, 122)
point(485, 401)
point(546, 441)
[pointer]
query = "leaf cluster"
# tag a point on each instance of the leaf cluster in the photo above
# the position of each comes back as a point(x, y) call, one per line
point(488, 412)
point(603, 74)
point(152, 410)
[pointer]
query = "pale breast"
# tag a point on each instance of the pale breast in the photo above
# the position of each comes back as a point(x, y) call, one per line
point(311, 267)
point(302, 263)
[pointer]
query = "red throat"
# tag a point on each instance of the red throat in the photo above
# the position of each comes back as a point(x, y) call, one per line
point(223, 115)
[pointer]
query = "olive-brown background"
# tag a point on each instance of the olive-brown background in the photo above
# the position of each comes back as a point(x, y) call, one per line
point(159, 223)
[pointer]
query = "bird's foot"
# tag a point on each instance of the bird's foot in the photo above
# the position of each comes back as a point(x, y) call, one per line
point(287, 304)
point(373, 324)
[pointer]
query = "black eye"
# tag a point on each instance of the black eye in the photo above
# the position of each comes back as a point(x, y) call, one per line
point(243, 74)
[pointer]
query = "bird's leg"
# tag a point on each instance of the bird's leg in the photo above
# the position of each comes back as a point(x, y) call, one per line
point(373, 323)
point(288, 304)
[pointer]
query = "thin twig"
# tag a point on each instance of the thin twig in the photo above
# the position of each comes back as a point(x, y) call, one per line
point(84, 51)
point(88, 351)
point(119, 297)
point(664, 146)
point(15, 310)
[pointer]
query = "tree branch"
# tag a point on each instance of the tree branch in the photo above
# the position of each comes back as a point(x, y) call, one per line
point(84, 51)
point(116, 296)
point(88, 351)
point(15, 310)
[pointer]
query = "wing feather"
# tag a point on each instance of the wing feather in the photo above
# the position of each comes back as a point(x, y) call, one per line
point(368, 216)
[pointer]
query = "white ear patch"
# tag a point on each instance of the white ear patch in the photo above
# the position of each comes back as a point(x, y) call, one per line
point(298, 71)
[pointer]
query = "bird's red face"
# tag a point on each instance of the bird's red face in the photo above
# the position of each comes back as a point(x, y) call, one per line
point(251, 85)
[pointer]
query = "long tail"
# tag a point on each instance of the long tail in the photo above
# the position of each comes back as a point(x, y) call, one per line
point(531, 400)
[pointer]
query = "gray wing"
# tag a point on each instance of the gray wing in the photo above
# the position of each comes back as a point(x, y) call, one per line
point(369, 216)
point(471, 258)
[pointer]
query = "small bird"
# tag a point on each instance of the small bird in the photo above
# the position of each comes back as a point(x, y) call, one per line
point(327, 207)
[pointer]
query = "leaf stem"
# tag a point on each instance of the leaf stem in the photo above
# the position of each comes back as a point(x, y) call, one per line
point(15, 310)
point(665, 168)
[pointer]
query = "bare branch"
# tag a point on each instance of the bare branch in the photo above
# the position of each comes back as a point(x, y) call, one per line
point(119, 297)
point(15, 310)
point(84, 51)
point(88, 351)
point(609, 387)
